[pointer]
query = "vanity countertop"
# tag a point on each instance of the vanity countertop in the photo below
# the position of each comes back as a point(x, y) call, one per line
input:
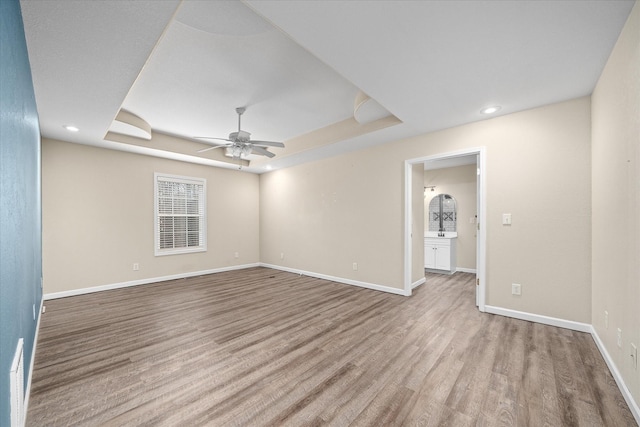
point(447, 235)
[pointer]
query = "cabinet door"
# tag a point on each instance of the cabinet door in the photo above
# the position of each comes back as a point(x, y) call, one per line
point(429, 256)
point(443, 257)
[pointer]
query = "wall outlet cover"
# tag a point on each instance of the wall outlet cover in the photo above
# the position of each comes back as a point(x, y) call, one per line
point(516, 289)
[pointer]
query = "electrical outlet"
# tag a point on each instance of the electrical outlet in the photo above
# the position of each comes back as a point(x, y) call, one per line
point(606, 319)
point(136, 266)
point(516, 289)
point(634, 357)
point(236, 255)
point(619, 337)
point(355, 266)
point(281, 255)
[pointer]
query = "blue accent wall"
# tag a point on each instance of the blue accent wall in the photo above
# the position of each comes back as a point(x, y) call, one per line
point(20, 203)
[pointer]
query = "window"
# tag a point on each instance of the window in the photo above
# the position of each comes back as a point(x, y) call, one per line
point(180, 214)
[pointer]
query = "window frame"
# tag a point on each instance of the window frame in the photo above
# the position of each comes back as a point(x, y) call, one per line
point(202, 215)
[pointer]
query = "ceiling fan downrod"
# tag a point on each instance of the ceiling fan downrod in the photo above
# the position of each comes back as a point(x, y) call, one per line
point(240, 110)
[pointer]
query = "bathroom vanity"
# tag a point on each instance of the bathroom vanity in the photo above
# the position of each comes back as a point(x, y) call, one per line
point(440, 240)
point(440, 253)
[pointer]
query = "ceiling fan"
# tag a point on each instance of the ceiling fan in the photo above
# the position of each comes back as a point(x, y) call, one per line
point(239, 144)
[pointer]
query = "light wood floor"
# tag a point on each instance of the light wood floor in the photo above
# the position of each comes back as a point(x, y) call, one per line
point(263, 347)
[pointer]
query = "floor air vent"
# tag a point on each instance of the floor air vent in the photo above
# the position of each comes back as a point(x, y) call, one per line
point(17, 387)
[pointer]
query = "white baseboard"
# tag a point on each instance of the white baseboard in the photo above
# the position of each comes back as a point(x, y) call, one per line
point(538, 318)
point(467, 270)
point(339, 279)
point(633, 405)
point(82, 291)
point(418, 283)
point(367, 285)
point(27, 391)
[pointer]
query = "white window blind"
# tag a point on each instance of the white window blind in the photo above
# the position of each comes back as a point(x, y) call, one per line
point(180, 214)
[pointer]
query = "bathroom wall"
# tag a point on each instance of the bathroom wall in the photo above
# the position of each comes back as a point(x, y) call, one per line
point(460, 183)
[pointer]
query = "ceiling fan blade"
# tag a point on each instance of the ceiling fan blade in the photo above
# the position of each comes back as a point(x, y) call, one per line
point(261, 151)
point(267, 144)
point(212, 137)
point(213, 148)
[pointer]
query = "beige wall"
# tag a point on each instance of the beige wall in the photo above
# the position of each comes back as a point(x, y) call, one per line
point(616, 201)
point(327, 214)
point(98, 215)
point(461, 183)
point(324, 216)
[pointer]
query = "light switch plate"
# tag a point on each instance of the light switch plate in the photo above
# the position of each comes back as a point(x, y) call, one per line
point(506, 219)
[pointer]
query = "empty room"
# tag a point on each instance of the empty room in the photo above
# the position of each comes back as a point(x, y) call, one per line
point(346, 213)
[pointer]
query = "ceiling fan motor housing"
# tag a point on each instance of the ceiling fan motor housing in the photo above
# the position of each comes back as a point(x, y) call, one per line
point(240, 136)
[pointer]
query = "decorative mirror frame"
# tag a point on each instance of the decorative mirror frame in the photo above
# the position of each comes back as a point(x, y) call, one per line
point(443, 214)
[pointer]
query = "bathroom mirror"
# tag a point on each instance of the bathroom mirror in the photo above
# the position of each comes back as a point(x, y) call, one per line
point(442, 213)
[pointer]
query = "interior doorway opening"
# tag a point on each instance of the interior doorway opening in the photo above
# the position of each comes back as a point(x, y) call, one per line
point(450, 159)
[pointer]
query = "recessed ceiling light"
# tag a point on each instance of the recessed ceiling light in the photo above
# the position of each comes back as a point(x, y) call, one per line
point(490, 110)
point(268, 167)
point(71, 128)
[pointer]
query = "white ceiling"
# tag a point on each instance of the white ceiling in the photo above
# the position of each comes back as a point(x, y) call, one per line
point(183, 67)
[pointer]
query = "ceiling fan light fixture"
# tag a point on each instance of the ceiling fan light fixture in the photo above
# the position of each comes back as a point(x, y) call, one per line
point(238, 151)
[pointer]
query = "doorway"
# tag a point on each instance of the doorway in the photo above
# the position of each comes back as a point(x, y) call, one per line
point(480, 156)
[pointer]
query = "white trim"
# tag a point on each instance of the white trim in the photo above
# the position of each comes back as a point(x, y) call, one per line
point(418, 283)
point(481, 229)
point(467, 270)
point(538, 318)
point(624, 390)
point(367, 285)
point(408, 209)
point(82, 291)
point(481, 153)
point(92, 289)
point(16, 386)
point(27, 391)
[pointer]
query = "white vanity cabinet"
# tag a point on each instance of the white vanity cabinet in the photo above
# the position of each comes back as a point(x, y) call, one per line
point(440, 254)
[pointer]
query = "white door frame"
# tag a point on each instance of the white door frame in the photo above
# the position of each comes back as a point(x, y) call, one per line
point(481, 241)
